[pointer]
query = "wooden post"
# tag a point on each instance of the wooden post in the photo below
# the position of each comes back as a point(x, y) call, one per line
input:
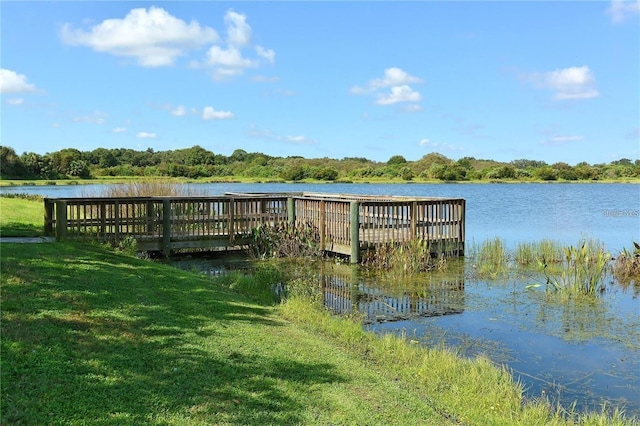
point(151, 220)
point(355, 231)
point(414, 219)
point(291, 210)
point(232, 219)
point(462, 226)
point(103, 220)
point(116, 219)
point(48, 217)
point(166, 227)
point(323, 215)
point(61, 220)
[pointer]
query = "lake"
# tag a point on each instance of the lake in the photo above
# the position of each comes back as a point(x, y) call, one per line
point(565, 351)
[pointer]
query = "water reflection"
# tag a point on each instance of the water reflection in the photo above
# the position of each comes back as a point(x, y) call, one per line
point(348, 289)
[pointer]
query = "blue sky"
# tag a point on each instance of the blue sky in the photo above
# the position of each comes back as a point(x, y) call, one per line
point(552, 81)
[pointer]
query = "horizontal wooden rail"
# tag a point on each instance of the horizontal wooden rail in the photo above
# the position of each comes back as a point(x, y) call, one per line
point(346, 224)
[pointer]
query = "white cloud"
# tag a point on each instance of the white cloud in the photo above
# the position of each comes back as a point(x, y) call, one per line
point(15, 101)
point(392, 77)
point(560, 140)
point(254, 132)
point(230, 60)
point(238, 31)
point(227, 58)
point(179, 111)
point(265, 79)
point(440, 146)
point(568, 83)
point(89, 119)
point(146, 135)
point(56, 125)
point(412, 108)
point(210, 114)
point(267, 54)
point(119, 130)
point(402, 93)
point(397, 80)
point(12, 82)
point(619, 10)
point(153, 37)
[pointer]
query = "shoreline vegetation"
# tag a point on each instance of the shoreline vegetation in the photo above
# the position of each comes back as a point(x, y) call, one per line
point(197, 164)
point(94, 334)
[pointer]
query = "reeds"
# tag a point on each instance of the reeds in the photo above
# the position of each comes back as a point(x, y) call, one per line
point(626, 267)
point(150, 188)
point(491, 258)
point(582, 272)
point(529, 253)
point(413, 256)
point(284, 240)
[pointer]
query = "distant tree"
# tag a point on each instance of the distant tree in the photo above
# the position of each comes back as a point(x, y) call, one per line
point(61, 160)
point(78, 168)
point(527, 164)
point(406, 173)
point(502, 172)
point(197, 155)
point(238, 155)
point(396, 160)
point(102, 157)
point(10, 164)
point(622, 162)
point(294, 173)
point(325, 173)
point(545, 173)
point(446, 172)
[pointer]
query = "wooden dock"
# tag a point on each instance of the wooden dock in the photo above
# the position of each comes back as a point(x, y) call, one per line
point(347, 224)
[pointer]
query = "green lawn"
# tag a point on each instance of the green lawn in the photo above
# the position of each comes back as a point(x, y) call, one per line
point(92, 336)
point(21, 217)
point(97, 337)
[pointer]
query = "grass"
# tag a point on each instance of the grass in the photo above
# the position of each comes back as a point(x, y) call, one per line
point(582, 272)
point(491, 258)
point(89, 335)
point(149, 188)
point(21, 216)
point(626, 267)
point(92, 336)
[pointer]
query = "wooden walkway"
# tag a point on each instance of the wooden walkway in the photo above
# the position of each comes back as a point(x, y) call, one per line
point(347, 224)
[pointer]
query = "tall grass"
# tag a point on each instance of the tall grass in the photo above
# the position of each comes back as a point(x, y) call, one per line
point(528, 253)
point(149, 188)
point(407, 258)
point(461, 391)
point(626, 267)
point(582, 272)
point(491, 258)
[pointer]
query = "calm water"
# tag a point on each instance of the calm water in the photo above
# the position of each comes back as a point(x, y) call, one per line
point(514, 212)
point(587, 354)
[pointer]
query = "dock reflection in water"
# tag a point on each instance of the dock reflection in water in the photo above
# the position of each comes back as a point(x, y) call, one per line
point(347, 290)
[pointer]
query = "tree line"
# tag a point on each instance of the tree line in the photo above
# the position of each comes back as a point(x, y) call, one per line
point(197, 162)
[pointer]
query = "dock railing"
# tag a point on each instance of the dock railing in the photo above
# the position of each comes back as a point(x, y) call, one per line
point(346, 224)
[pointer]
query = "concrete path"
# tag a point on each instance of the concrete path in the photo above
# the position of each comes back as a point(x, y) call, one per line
point(27, 239)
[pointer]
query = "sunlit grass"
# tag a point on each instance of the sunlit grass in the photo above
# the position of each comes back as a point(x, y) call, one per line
point(21, 216)
point(148, 188)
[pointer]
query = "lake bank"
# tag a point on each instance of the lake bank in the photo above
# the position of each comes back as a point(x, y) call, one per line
point(191, 352)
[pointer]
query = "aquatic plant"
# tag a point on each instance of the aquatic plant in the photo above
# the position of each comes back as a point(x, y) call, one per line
point(285, 240)
point(491, 258)
point(149, 188)
point(582, 272)
point(410, 257)
point(529, 253)
point(626, 267)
